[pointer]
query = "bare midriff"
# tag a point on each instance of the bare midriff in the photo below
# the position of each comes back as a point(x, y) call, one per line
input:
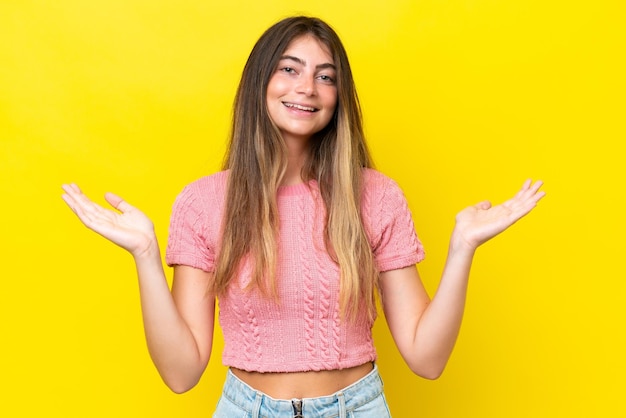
point(301, 385)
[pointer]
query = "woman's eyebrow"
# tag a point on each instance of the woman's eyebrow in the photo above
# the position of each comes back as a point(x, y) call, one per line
point(303, 62)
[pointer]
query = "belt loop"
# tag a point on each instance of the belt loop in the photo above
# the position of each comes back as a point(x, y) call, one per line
point(297, 408)
point(342, 405)
point(256, 408)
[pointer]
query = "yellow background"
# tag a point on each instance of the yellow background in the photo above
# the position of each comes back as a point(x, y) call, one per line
point(463, 100)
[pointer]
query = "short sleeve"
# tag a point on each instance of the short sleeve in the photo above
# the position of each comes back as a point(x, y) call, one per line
point(395, 243)
point(188, 241)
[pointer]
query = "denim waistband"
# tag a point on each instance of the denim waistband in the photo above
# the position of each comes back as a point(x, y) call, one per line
point(259, 404)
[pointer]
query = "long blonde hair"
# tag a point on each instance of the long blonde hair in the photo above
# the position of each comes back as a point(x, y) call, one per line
point(257, 159)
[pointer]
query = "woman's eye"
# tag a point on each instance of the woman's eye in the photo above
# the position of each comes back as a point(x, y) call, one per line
point(326, 78)
point(289, 70)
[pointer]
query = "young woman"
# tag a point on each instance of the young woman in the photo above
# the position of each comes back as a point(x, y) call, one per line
point(295, 238)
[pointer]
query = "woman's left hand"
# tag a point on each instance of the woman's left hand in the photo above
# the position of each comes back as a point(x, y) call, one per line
point(479, 223)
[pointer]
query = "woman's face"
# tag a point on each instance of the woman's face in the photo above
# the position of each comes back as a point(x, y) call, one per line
point(302, 92)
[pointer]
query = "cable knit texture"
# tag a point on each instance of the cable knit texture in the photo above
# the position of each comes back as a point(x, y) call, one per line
point(303, 330)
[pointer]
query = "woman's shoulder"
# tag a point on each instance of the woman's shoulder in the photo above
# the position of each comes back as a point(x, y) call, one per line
point(205, 191)
point(374, 180)
point(213, 181)
point(380, 190)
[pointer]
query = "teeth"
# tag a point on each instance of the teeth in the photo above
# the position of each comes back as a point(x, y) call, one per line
point(297, 106)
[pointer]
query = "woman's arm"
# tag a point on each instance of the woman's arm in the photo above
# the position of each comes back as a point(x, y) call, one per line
point(178, 324)
point(424, 331)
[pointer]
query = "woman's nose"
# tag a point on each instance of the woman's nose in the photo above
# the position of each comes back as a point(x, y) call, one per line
point(306, 85)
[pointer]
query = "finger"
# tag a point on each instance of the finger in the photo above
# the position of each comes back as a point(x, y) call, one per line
point(70, 189)
point(484, 205)
point(86, 210)
point(73, 197)
point(69, 201)
point(77, 195)
point(75, 188)
point(77, 208)
point(522, 205)
point(533, 194)
point(117, 202)
point(535, 188)
point(529, 190)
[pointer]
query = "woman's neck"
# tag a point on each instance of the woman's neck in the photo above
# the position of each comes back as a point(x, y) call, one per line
point(297, 154)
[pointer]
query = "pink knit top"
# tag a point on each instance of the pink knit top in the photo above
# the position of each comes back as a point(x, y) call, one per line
point(302, 331)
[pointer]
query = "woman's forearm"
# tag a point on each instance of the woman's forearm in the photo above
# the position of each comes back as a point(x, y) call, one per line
point(170, 341)
point(439, 325)
point(173, 346)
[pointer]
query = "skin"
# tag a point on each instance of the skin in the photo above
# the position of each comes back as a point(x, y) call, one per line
point(301, 98)
point(179, 323)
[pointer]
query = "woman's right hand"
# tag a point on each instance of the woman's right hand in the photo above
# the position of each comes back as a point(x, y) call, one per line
point(129, 228)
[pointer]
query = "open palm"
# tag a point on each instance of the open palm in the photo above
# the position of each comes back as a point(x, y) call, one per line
point(481, 222)
point(129, 228)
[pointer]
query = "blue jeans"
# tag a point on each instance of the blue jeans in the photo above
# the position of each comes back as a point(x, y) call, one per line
point(362, 399)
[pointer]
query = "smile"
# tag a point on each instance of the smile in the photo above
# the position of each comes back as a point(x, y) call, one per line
point(300, 107)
